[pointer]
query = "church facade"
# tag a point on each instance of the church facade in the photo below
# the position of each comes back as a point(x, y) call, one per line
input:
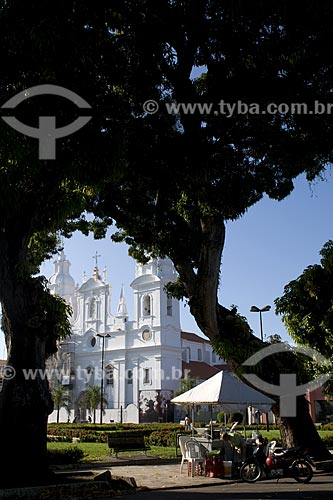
point(137, 363)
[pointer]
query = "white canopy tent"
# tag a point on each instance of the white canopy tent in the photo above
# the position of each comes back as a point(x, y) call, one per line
point(227, 391)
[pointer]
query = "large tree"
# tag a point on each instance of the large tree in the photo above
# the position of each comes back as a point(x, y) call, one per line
point(43, 45)
point(193, 169)
point(169, 179)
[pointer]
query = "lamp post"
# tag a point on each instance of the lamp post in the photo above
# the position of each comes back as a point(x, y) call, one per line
point(102, 374)
point(264, 309)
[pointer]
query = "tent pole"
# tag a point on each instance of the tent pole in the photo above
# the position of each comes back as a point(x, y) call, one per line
point(211, 422)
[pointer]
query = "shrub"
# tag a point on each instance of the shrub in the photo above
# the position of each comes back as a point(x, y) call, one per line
point(97, 433)
point(70, 455)
point(162, 438)
point(328, 440)
point(220, 416)
point(327, 427)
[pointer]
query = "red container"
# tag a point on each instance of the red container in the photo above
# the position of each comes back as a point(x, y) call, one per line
point(214, 466)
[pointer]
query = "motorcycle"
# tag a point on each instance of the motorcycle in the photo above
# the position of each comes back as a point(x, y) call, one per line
point(268, 463)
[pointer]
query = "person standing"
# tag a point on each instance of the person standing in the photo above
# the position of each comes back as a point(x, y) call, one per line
point(238, 445)
point(187, 423)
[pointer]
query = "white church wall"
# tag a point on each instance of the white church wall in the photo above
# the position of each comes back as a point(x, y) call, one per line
point(63, 416)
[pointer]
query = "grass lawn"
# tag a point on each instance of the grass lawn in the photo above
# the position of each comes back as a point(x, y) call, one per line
point(97, 451)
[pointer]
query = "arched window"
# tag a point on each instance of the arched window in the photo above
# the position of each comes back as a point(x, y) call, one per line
point(109, 375)
point(130, 376)
point(89, 375)
point(188, 351)
point(146, 306)
point(92, 308)
point(72, 378)
point(66, 362)
point(169, 306)
point(147, 375)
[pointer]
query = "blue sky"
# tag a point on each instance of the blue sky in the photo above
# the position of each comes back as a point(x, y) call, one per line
point(265, 249)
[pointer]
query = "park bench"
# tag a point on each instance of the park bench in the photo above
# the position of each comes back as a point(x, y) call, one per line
point(127, 442)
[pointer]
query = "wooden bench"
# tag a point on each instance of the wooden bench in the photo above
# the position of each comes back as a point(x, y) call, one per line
point(127, 442)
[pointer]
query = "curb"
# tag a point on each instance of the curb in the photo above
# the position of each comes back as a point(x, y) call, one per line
point(196, 485)
point(119, 462)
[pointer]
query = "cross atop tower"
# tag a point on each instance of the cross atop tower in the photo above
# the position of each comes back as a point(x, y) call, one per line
point(96, 257)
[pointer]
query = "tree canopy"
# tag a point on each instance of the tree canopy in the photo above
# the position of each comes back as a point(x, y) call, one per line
point(169, 179)
point(306, 307)
point(191, 171)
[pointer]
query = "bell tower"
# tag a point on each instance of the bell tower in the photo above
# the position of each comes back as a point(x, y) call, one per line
point(152, 306)
point(61, 282)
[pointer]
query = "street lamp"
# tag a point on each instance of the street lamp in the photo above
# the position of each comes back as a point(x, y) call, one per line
point(264, 309)
point(102, 375)
point(257, 310)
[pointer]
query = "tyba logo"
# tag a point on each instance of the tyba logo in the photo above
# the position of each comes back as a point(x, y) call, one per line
point(287, 390)
point(47, 133)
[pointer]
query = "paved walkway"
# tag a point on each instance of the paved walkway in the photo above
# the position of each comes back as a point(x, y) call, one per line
point(163, 476)
point(153, 473)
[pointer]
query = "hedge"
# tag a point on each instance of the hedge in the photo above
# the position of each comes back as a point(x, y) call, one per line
point(70, 455)
point(92, 433)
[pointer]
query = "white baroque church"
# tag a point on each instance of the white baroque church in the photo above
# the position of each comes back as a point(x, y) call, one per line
point(137, 363)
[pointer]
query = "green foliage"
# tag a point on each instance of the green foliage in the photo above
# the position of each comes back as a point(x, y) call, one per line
point(185, 384)
point(162, 438)
point(307, 311)
point(220, 417)
point(61, 399)
point(274, 339)
point(98, 433)
point(84, 435)
point(92, 396)
point(328, 440)
point(244, 155)
point(70, 455)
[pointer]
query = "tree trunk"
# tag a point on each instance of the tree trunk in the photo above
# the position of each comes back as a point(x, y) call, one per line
point(25, 400)
point(301, 431)
point(232, 337)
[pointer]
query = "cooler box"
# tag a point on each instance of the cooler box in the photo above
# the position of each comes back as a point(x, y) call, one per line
point(227, 466)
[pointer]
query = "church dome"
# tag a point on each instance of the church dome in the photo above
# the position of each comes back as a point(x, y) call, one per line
point(61, 282)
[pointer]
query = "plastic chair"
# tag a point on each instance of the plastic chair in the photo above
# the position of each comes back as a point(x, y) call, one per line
point(182, 440)
point(201, 431)
point(195, 455)
point(271, 447)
